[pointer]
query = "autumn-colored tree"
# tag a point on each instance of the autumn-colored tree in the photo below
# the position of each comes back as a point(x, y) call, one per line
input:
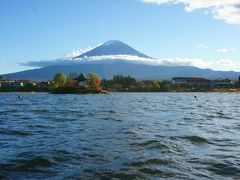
point(60, 80)
point(95, 80)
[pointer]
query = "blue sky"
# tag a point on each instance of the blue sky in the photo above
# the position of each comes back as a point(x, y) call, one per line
point(203, 35)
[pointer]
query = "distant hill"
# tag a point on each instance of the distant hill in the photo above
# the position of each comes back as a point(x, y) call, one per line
point(140, 71)
point(107, 68)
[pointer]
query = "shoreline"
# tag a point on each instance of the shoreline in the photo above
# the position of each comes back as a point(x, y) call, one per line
point(107, 92)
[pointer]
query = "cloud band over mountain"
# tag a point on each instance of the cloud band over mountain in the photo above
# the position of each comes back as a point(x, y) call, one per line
point(110, 52)
point(222, 64)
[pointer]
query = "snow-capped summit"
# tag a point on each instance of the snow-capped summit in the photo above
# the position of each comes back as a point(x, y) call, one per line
point(110, 42)
point(112, 47)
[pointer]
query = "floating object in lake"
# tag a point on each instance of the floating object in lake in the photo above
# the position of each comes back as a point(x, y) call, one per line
point(104, 92)
point(195, 96)
point(19, 97)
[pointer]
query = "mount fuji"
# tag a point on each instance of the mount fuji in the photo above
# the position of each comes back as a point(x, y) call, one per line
point(113, 47)
point(112, 58)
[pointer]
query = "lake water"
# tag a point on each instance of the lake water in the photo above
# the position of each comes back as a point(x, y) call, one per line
point(120, 135)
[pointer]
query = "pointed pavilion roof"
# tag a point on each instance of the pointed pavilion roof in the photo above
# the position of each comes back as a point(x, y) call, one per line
point(81, 77)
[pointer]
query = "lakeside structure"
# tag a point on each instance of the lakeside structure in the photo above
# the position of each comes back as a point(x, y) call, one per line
point(121, 83)
point(82, 84)
point(82, 80)
point(23, 86)
point(191, 81)
point(202, 82)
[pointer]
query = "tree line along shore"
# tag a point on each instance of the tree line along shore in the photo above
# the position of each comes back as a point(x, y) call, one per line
point(92, 83)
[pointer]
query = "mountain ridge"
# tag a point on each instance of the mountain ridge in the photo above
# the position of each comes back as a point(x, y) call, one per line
point(139, 71)
point(107, 68)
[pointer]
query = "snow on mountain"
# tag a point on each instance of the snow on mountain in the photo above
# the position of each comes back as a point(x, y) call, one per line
point(113, 47)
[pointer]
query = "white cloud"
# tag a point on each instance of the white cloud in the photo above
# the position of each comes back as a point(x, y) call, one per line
point(79, 51)
point(118, 57)
point(223, 64)
point(226, 10)
point(197, 62)
point(230, 14)
point(227, 64)
point(74, 53)
point(151, 61)
point(202, 46)
point(226, 50)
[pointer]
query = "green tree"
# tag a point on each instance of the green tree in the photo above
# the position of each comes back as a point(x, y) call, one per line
point(60, 80)
point(72, 75)
point(126, 82)
point(95, 80)
point(163, 85)
point(156, 85)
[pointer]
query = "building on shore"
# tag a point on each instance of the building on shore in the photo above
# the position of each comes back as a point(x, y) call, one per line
point(191, 82)
point(6, 83)
point(202, 83)
point(222, 83)
point(23, 86)
point(11, 84)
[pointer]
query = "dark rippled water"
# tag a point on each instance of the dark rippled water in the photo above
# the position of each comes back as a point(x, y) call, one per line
point(120, 135)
